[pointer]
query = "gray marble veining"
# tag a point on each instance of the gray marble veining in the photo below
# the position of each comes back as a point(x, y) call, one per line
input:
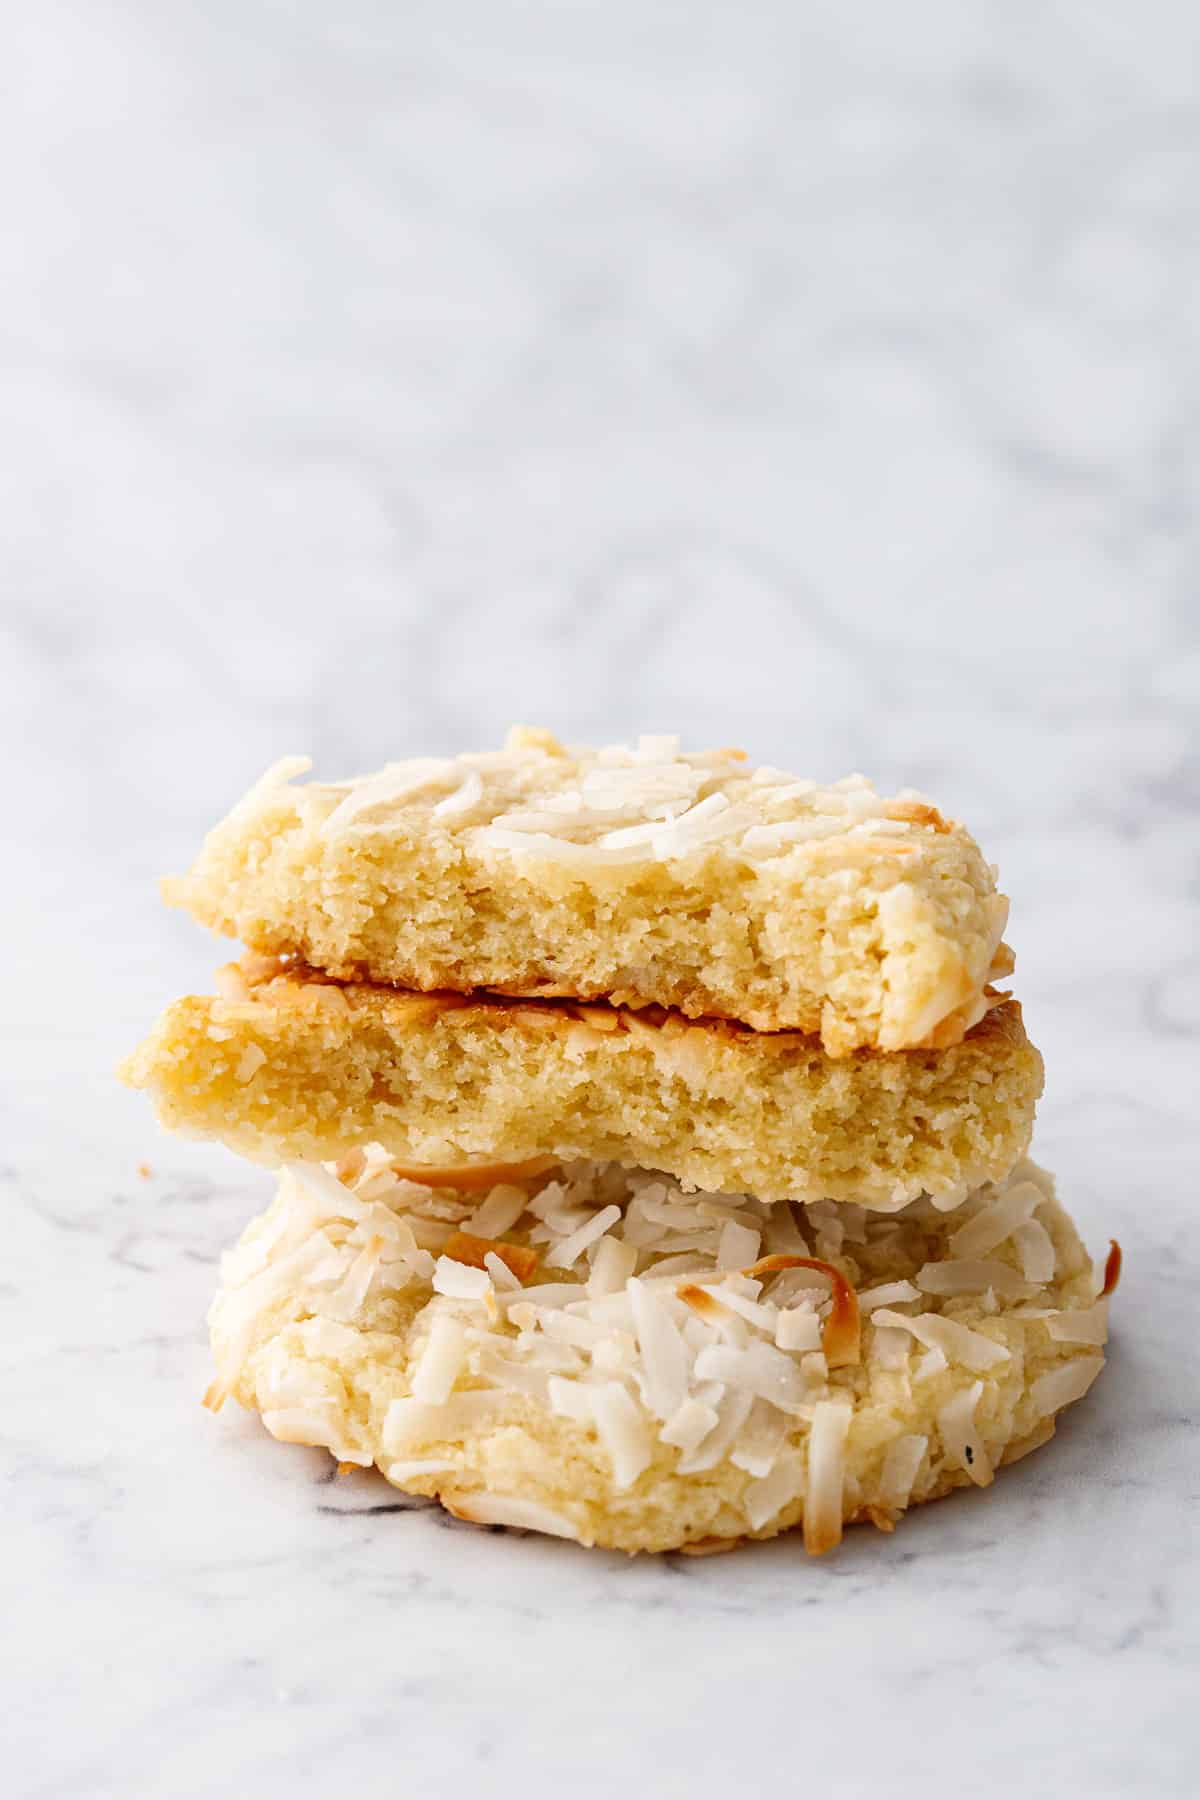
point(375, 377)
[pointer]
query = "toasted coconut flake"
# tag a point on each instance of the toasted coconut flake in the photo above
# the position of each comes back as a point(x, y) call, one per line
point(600, 1018)
point(860, 849)
point(826, 1476)
point(1112, 1268)
point(464, 1247)
point(417, 1010)
point(777, 1263)
point(470, 1178)
point(703, 1303)
point(881, 1520)
point(841, 1337)
point(761, 1317)
point(710, 1546)
point(351, 1167)
point(915, 812)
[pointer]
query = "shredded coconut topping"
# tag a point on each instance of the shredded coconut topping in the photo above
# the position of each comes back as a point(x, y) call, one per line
point(653, 801)
point(643, 1317)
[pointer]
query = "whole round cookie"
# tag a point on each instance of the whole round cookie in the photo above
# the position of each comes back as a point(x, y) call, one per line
point(593, 1352)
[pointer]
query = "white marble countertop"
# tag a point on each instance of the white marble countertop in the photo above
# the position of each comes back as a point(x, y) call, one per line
point(376, 376)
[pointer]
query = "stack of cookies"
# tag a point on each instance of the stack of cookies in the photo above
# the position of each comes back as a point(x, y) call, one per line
point(651, 1143)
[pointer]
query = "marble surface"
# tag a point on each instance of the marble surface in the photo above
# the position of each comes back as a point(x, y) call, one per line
point(374, 376)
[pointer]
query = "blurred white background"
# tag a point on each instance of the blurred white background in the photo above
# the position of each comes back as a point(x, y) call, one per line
point(824, 380)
